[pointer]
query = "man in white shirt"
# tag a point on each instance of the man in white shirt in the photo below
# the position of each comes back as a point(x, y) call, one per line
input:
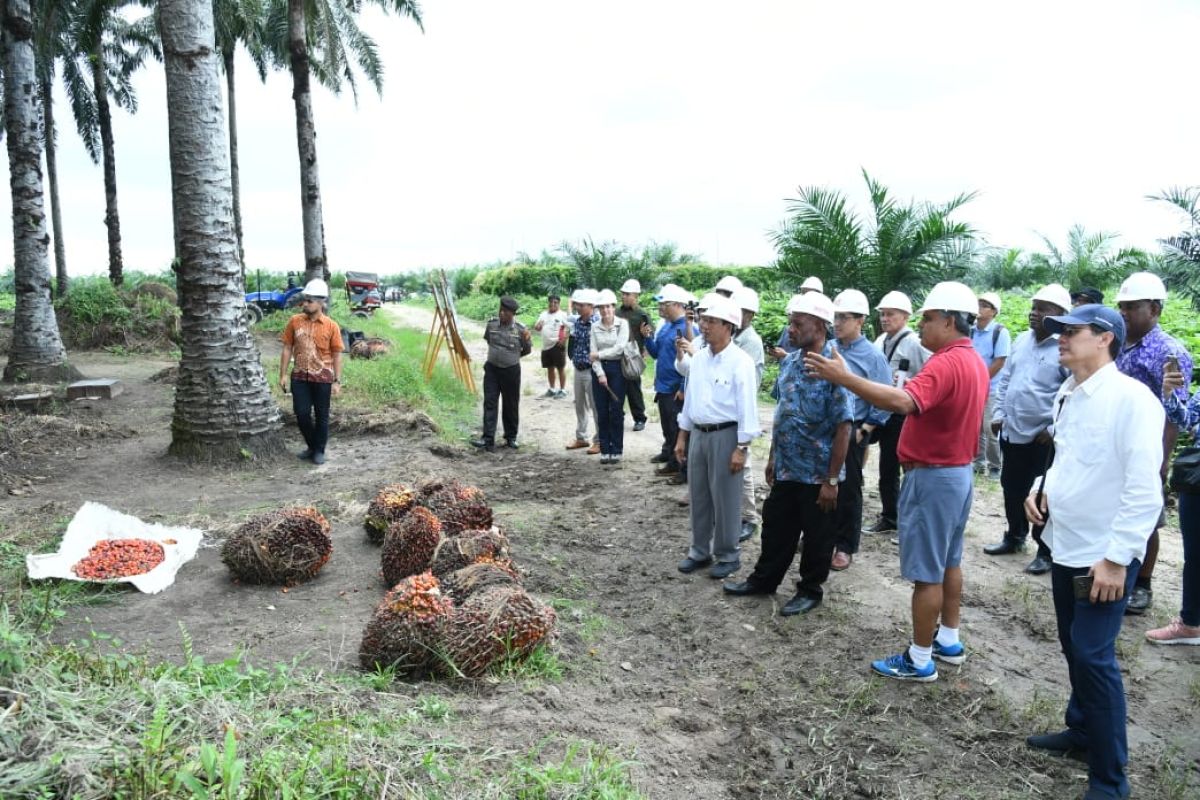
point(1100, 502)
point(552, 324)
point(718, 421)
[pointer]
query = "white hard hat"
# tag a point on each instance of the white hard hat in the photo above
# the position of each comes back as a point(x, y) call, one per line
point(584, 297)
point(951, 296)
point(316, 288)
point(895, 301)
point(708, 299)
point(728, 284)
point(1055, 293)
point(812, 284)
point(1142, 286)
point(992, 299)
point(671, 294)
point(631, 286)
point(721, 307)
point(746, 298)
point(812, 303)
point(852, 301)
point(605, 297)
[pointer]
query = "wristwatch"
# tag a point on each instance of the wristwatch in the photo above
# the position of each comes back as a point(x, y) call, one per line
point(745, 448)
point(832, 481)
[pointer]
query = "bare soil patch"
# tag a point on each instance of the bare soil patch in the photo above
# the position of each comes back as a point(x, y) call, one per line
point(711, 697)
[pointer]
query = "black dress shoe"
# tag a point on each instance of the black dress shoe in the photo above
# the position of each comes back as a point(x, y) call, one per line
point(1039, 566)
point(667, 469)
point(678, 479)
point(1005, 547)
point(882, 526)
point(800, 604)
point(659, 459)
point(318, 457)
point(511, 444)
point(744, 589)
point(1063, 743)
point(1140, 599)
point(639, 426)
point(690, 565)
point(748, 531)
point(484, 444)
point(305, 455)
point(724, 569)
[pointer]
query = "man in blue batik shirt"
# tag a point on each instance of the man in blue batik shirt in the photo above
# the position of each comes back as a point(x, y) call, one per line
point(865, 360)
point(808, 450)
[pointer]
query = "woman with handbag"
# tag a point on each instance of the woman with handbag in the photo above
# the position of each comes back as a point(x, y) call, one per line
point(1185, 482)
point(609, 339)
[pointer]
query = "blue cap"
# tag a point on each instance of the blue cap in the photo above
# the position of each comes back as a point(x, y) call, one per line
point(1102, 317)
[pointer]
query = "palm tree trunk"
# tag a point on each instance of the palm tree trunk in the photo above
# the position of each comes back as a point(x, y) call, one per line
point(222, 405)
point(60, 249)
point(316, 264)
point(112, 219)
point(37, 352)
point(234, 173)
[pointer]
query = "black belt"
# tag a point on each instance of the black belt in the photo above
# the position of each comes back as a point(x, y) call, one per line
point(720, 426)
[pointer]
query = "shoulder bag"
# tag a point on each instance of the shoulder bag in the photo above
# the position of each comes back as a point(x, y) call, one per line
point(1185, 472)
point(632, 362)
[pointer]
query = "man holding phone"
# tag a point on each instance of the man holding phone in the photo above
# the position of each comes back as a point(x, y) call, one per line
point(1100, 501)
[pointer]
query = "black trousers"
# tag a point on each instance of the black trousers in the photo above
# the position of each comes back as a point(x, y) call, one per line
point(310, 402)
point(668, 415)
point(1021, 465)
point(501, 383)
point(637, 402)
point(889, 467)
point(789, 511)
point(849, 512)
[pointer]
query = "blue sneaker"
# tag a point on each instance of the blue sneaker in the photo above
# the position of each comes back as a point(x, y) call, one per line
point(954, 654)
point(901, 667)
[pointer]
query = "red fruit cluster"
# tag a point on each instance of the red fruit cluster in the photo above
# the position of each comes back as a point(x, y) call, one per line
point(119, 558)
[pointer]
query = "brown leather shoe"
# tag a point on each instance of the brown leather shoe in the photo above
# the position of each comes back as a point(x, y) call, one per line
point(841, 561)
point(594, 449)
point(576, 444)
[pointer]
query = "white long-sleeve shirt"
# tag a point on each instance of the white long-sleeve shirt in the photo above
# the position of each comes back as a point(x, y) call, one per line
point(607, 344)
point(1103, 489)
point(722, 388)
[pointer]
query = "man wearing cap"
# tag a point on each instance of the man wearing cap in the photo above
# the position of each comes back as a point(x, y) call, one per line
point(632, 313)
point(668, 383)
point(1086, 295)
point(865, 360)
point(937, 445)
point(808, 448)
point(1023, 419)
point(507, 340)
point(579, 346)
point(314, 342)
point(552, 324)
point(750, 342)
point(993, 343)
point(1101, 498)
point(718, 421)
point(1146, 351)
point(901, 346)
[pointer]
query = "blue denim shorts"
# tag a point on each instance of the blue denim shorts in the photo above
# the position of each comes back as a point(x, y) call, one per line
point(935, 503)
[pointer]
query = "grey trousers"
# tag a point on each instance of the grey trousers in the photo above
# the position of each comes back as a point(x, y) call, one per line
point(749, 509)
point(716, 496)
point(585, 406)
point(989, 444)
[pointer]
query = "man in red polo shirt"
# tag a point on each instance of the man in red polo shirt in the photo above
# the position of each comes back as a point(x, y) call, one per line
point(936, 449)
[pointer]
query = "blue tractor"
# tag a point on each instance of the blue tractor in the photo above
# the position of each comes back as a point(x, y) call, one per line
point(260, 303)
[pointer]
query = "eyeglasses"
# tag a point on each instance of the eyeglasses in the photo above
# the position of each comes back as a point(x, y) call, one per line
point(1071, 330)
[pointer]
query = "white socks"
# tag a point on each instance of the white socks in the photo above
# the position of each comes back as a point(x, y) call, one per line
point(919, 656)
point(947, 637)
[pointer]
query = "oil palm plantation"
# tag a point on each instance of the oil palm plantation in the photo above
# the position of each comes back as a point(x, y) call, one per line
point(222, 405)
point(37, 351)
point(901, 245)
point(53, 41)
point(1089, 259)
point(322, 39)
point(108, 49)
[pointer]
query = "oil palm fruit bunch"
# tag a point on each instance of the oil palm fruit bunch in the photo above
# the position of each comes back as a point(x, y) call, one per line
point(280, 547)
point(409, 545)
point(495, 624)
point(462, 583)
point(460, 508)
point(407, 628)
point(454, 553)
point(389, 505)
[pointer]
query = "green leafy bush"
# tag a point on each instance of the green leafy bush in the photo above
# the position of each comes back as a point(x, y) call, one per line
point(95, 314)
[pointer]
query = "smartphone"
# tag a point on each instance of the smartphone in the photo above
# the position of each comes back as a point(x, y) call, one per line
point(1083, 587)
point(1173, 363)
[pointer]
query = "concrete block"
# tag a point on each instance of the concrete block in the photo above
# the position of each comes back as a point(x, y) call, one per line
point(103, 389)
point(33, 402)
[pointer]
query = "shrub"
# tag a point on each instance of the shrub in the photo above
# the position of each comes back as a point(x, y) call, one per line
point(95, 314)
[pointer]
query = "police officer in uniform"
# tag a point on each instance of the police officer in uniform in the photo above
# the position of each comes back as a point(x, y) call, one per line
point(507, 340)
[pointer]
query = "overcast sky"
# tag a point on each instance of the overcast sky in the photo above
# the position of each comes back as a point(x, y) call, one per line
point(509, 127)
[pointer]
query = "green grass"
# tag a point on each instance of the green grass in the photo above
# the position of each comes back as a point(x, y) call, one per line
point(8, 301)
